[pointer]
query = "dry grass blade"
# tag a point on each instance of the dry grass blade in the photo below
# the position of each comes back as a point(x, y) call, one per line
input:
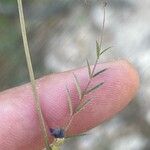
point(82, 105)
point(95, 87)
point(89, 68)
point(77, 86)
point(105, 50)
point(69, 100)
point(101, 71)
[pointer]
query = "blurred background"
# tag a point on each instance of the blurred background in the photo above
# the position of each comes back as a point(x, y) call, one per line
point(62, 33)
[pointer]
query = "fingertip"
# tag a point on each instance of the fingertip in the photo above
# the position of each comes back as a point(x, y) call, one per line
point(121, 84)
point(132, 74)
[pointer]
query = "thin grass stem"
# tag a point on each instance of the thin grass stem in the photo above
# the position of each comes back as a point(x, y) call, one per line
point(91, 72)
point(103, 26)
point(31, 74)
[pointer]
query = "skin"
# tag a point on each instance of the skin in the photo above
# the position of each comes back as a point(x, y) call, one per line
point(19, 126)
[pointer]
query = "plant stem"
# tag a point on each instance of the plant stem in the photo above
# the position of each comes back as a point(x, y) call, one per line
point(103, 26)
point(31, 74)
point(95, 64)
point(92, 72)
point(82, 98)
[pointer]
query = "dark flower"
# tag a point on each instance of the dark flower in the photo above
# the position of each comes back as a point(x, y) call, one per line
point(57, 132)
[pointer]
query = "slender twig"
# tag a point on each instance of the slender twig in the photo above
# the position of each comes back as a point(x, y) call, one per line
point(31, 74)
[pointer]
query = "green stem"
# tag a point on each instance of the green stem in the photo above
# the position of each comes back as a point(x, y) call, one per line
point(31, 74)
